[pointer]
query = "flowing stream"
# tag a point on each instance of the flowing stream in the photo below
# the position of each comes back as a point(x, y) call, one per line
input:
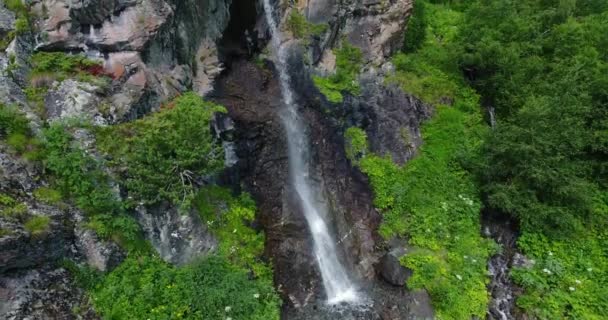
point(338, 286)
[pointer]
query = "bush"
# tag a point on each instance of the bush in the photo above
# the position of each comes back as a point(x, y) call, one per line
point(301, 28)
point(162, 156)
point(148, 288)
point(15, 131)
point(348, 63)
point(356, 144)
point(230, 218)
point(416, 28)
point(38, 225)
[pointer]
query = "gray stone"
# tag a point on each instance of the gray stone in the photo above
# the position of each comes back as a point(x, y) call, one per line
point(7, 21)
point(178, 238)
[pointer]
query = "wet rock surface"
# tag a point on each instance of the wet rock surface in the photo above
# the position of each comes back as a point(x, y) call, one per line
point(502, 289)
point(253, 99)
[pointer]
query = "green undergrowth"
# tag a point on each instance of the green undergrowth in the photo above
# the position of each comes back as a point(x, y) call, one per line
point(349, 60)
point(433, 200)
point(80, 177)
point(15, 132)
point(569, 277)
point(163, 155)
point(148, 288)
point(230, 218)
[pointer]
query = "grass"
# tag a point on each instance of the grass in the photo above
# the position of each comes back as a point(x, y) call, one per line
point(230, 218)
point(38, 226)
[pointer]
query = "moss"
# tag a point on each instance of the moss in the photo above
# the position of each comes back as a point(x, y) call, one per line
point(348, 63)
point(38, 225)
point(48, 195)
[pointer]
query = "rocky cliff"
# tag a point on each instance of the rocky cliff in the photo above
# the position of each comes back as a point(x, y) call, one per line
point(152, 50)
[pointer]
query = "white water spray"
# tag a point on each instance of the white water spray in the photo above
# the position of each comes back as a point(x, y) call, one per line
point(336, 281)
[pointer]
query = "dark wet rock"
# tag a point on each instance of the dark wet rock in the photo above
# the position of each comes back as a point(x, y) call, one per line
point(45, 293)
point(179, 238)
point(502, 289)
point(391, 269)
point(20, 249)
point(390, 117)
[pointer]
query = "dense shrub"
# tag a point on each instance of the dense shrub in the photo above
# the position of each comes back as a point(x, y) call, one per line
point(416, 28)
point(230, 218)
point(37, 226)
point(163, 156)
point(148, 288)
point(355, 144)
point(348, 63)
point(80, 177)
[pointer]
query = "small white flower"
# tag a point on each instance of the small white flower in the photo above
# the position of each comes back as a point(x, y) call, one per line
point(228, 308)
point(550, 253)
point(228, 318)
point(571, 288)
point(256, 295)
point(474, 260)
point(547, 271)
point(459, 277)
point(589, 269)
point(234, 231)
point(428, 230)
point(577, 281)
point(466, 257)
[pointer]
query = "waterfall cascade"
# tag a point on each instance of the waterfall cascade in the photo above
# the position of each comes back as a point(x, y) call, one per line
point(338, 286)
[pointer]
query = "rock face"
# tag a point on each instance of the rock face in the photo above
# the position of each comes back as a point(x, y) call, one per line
point(178, 238)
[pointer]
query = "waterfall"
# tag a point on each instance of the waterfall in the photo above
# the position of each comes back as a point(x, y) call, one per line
point(338, 286)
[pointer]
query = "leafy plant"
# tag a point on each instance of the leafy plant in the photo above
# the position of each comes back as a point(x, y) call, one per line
point(348, 62)
point(149, 288)
point(162, 156)
point(356, 144)
point(230, 218)
point(416, 28)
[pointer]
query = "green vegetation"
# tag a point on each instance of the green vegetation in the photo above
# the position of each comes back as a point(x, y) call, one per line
point(433, 200)
point(15, 131)
point(348, 64)
point(543, 66)
point(301, 28)
point(148, 288)
point(12, 209)
point(416, 28)
point(37, 226)
point(80, 177)
point(163, 155)
point(355, 144)
point(229, 218)
point(48, 195)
